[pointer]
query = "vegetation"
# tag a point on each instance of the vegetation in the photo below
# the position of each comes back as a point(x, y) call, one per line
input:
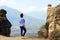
point(46, 26)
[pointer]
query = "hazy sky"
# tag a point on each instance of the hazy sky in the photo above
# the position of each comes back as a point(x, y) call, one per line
point(27, 6)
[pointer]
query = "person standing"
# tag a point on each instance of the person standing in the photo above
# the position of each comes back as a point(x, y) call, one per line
point(22, 25)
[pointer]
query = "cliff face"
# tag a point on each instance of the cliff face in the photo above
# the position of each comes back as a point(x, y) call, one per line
point(53, 19)
point(42, 32)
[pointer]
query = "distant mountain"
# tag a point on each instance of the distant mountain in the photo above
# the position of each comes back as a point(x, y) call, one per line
point(32, 24)
point(38, 15)
point(12, 14)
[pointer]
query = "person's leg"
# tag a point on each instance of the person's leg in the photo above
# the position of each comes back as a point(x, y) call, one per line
point(21, 31)
point(24, 31)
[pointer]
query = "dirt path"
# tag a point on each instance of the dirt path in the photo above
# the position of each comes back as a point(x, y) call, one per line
point(20, 38)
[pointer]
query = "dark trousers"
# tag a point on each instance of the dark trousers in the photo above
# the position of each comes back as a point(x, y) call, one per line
point(23, 31)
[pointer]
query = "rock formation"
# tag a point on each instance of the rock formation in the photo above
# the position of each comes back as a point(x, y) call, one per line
point(55, 35)
point(5, 25)
point(53, 19)
point(42, 32)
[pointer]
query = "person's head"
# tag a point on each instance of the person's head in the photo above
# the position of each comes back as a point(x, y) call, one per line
point(21, 15)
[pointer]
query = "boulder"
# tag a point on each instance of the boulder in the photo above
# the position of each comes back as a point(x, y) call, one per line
point(5, 25)
point(42, 32)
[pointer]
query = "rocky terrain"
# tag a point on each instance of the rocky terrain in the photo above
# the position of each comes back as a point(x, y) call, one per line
point(52, 26)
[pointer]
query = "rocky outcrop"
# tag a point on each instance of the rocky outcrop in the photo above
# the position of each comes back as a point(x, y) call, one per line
point(42, 32)
point(53, 19)
point(55, 24)
point(5, 25)
point(55, 35)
